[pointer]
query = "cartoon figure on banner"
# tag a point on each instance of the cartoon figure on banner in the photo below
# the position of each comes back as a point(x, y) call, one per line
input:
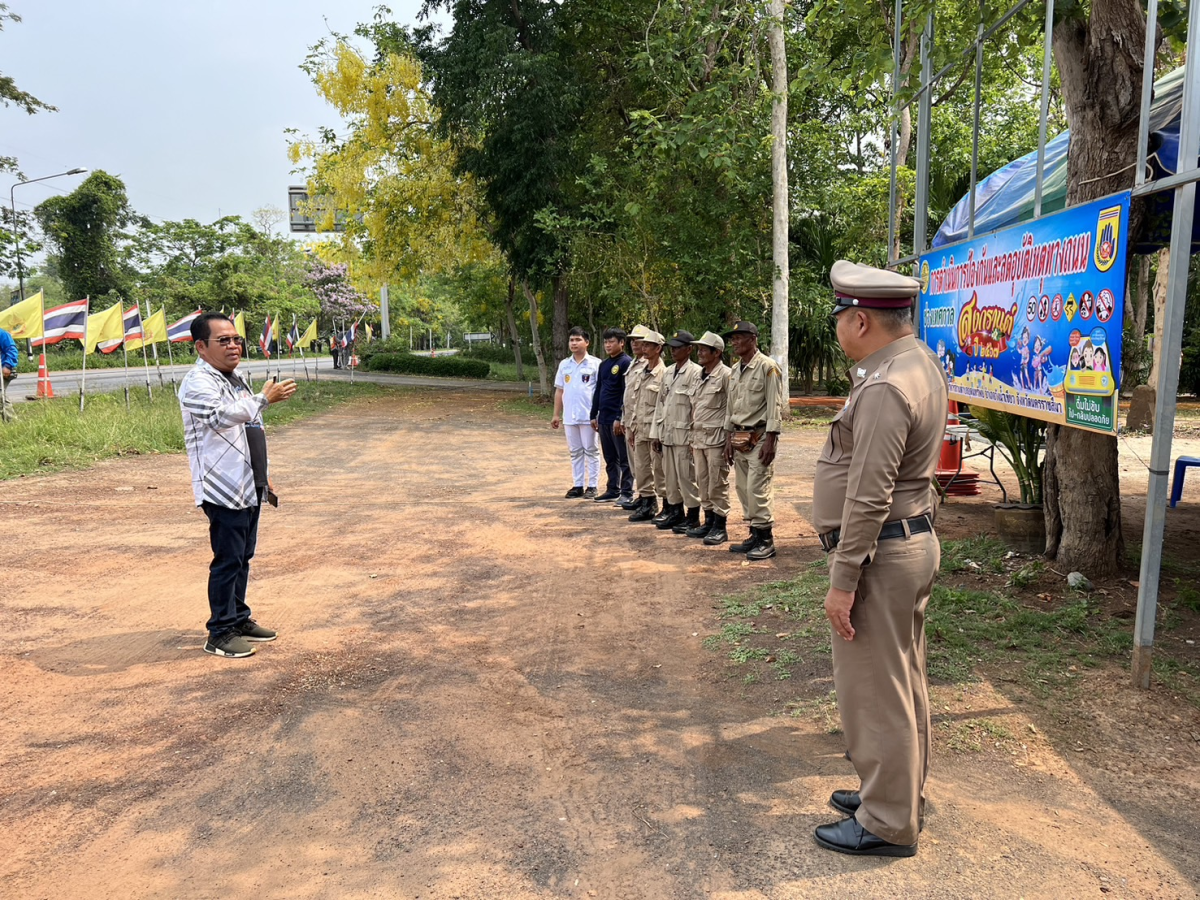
point(1041, 363)
point(1023, 379)
point(1100, 360)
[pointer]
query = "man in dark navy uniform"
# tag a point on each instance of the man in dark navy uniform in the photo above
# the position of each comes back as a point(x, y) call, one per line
point(606, 410)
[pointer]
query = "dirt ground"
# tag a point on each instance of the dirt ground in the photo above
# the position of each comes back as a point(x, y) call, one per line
point(481, 690)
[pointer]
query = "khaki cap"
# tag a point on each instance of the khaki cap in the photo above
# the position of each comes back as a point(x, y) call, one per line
point(653, 337)
point(866, 287)
point(638, 332)
point(708, 339)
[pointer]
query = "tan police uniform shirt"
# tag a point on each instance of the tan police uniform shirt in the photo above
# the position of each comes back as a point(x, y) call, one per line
point(673, 416)
point(877, 464)
point(756, 395)
point(710, 403)
point(632, 380)
point(650, 383)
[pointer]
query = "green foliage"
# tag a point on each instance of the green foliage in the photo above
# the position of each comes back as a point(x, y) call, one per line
point(1020, 441)
point(85, 229)
point(10, 94)
point(445, 366)
point(984, 550)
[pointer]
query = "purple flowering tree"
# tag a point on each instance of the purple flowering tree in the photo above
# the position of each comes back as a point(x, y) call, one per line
point(339, 299)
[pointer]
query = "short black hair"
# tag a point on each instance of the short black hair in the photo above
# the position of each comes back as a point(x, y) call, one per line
point(579, 332)
point(202, 327)
point(618, 333)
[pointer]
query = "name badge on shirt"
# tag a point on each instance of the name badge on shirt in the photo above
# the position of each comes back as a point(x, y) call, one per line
point(566, 379)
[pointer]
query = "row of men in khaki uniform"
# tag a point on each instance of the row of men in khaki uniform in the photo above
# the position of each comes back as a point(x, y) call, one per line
point(689, 423)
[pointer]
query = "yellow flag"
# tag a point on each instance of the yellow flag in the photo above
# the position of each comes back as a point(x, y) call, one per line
point(370, 333)
point(239, 323)
point(275, 329)
point(310, 335)
point(25, 319)
point(105, 330)
point(154, 329)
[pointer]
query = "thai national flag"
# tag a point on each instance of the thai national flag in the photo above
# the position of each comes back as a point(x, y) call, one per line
point(182, 330)
point(264, 340)
point(66, 321)
point(133, 324)
point(293, 337)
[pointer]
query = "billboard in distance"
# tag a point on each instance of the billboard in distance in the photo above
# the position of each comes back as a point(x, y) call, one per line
point(1029, 319)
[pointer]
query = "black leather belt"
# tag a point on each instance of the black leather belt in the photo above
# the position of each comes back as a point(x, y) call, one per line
point(759, 427)
point(916, 525)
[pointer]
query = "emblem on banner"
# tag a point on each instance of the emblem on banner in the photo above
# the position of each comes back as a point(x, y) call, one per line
point(1108, 229)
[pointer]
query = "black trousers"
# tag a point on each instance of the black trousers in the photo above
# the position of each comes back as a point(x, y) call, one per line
point(616, 458)
point(233, 534)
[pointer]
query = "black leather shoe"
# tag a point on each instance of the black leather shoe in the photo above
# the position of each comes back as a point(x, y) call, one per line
point(573, 493)
point(748, 544)
point(716, 534)
point(846, 802)
point(847, 836)
point(608, 495)
point(692, 520)
point(765, 548)
point(647, 511)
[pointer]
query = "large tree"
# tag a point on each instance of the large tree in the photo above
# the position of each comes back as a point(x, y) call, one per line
point(1099, 55)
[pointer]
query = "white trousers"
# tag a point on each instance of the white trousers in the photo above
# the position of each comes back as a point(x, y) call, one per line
point(585, 454)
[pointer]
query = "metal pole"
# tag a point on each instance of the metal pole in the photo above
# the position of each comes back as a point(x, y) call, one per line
point(154, 346)
point(170, 355)
point(1139, 177)
point(924, 119)
point(1047, 58)
point(385, 320)
point(83, 373)
point(975, 130)
point(1168, 372)
point(891, 247)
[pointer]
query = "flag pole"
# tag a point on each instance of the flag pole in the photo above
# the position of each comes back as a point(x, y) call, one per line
point(145, 359)
point(125, 353)
point(170, 355)
point(154, 346)
point(293, 349)
point(83, 375)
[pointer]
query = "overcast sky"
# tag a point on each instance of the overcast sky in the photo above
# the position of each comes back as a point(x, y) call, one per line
point(186, 102)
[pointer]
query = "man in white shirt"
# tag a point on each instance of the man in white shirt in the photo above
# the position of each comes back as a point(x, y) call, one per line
point(574, 385)
point(227, 451)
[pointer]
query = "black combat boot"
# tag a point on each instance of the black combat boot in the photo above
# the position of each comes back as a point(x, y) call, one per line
point(691, 521)
point(698, 530)
point(717, 534)
point(674, 517)
point(748, 544)
point(667, 510)
point(765, 548)
point(647, 511)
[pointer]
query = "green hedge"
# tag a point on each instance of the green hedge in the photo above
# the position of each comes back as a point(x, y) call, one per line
point(409, 364)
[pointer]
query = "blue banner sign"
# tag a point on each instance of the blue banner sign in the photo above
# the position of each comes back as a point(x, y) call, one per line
point(1029, 319)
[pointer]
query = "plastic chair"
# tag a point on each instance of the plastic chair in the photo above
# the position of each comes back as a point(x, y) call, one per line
point(1181, 466)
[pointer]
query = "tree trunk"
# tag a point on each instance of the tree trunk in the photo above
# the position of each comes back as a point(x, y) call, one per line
point(1100, 64)
point(512, 327)
point(1140, 301)
point(559, 325)
point(543, 381)
point(1160, 311)
point(779, 183)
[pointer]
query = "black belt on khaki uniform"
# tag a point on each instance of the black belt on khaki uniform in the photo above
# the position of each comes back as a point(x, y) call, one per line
point(759, 427)
point(916, 525)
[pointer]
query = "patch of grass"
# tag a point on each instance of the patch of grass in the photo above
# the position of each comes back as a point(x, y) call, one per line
point(985, 551)
point(1188, 597)
point(823, 709)
point(49, 436)
point(969, 736)
point(1027, 575)
point(528, 406)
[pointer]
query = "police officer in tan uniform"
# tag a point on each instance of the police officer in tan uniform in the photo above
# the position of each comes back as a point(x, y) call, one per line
point(672, 436)
point(651, 482)
point(873, 505)
point(753, 419)
point(709, 404)
point(623, 427)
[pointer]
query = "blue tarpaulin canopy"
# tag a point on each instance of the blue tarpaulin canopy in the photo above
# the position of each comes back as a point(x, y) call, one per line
point(1006, 196)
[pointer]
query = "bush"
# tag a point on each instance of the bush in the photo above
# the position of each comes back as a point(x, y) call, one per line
point(492, 353)
point(445, 366)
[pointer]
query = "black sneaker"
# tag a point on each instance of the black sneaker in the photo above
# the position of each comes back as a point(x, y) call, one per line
point(626, 501)
point(231, 645)
point(574, 492)
point(608, 495)
point(255, 633)
point(589, 494)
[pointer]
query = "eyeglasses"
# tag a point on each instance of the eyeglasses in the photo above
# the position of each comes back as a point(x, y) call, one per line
point(227, 340)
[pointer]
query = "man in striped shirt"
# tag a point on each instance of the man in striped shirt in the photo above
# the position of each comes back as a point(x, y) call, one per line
point(227, 451)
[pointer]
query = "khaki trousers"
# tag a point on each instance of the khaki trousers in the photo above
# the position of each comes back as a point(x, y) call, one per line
point(754, 487)
point(7, 413)
point(712, 478)
point(680, 475)
point(882, 690)
point(649, 469)
point(631, 452)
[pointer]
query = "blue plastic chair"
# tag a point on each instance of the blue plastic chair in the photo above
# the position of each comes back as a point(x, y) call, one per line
point(1181, 466)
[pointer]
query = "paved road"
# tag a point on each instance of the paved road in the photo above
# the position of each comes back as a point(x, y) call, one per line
point(100, 381)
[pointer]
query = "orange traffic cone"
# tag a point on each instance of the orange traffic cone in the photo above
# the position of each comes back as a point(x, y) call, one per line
point(45, 389)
